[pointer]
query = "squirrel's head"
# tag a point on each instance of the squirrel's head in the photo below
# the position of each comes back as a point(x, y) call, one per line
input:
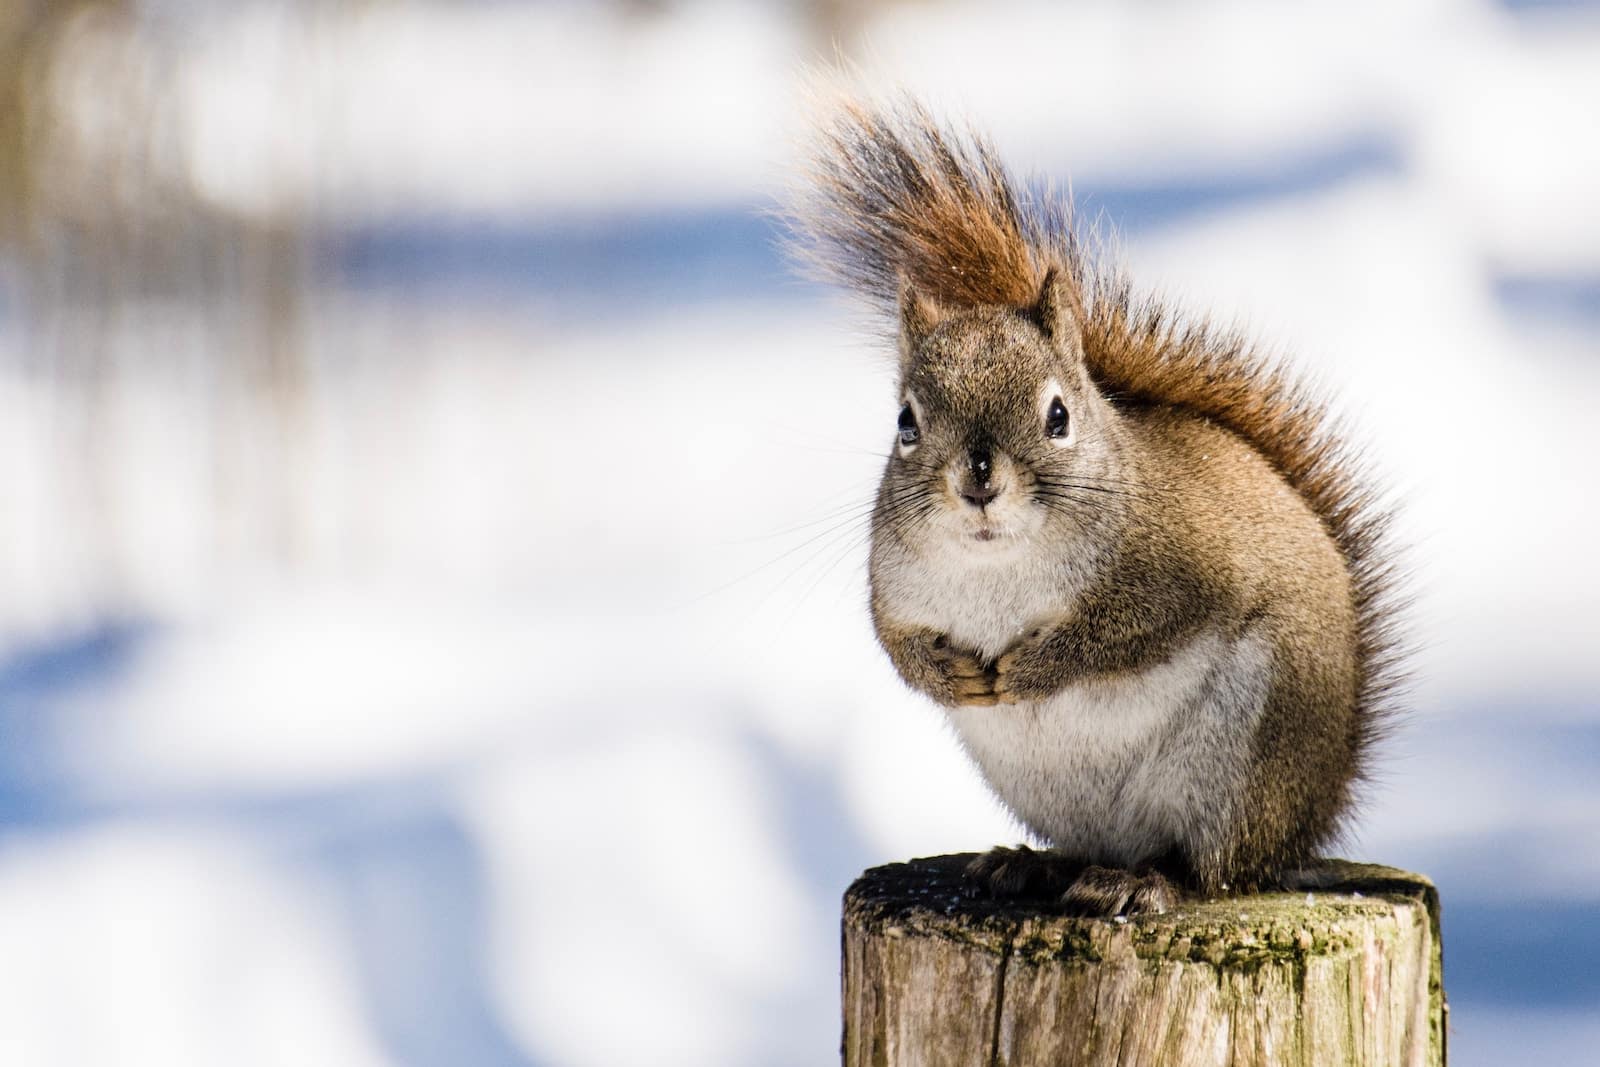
point(1002, 434)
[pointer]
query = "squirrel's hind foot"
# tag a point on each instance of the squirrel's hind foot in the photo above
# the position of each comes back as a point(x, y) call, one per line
point(1004, 873)
point(1106, 893)
point(1087, 892)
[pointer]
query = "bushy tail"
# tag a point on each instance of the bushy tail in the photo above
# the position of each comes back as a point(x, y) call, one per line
point(893, 196)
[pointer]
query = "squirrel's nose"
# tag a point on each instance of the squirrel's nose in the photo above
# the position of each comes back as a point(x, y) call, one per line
point(981, 465)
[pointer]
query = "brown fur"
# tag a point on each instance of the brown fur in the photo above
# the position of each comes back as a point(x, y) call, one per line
point(900, 201)
point(929, 662)
point(1275, 531)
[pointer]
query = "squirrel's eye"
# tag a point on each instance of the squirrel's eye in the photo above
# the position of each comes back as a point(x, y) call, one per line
point(908, 426)
point(1055, 420)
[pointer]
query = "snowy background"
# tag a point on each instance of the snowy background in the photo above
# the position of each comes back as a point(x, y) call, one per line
point(431, 530)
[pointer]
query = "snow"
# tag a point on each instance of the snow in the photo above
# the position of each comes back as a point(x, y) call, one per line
point(534, 657)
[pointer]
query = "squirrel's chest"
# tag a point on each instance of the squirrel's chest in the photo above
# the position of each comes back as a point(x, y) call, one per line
point(985, 608)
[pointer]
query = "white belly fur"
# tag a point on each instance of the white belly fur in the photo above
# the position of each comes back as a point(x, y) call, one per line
point(983, 608)
point(1120, 769)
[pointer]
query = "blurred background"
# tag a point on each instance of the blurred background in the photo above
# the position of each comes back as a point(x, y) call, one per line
point(432, 617)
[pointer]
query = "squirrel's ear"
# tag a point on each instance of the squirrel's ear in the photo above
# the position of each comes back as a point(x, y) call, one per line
point(918, 317)
point(1057, 311)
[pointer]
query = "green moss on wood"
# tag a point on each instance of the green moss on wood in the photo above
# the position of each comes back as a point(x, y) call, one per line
point(1225, 958)
point(930, 898)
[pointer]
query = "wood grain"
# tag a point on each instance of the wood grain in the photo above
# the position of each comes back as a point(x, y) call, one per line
point(1349, 974)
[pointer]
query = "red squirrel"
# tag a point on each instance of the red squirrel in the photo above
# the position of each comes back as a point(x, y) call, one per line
point(1134, 561)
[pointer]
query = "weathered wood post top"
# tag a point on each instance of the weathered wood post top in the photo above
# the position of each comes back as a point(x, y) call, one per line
point(1349, 974)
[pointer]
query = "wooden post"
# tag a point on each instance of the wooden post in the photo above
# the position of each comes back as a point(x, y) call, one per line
point(1348, 975)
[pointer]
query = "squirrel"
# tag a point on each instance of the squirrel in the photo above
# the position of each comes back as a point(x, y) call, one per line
point(1136, 562)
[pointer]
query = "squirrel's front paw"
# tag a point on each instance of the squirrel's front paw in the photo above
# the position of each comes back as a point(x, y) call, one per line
point(1027, 671)
point(970, 681)
point(931, 663)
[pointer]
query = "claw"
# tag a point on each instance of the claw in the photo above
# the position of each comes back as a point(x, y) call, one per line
point(1105, 893)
